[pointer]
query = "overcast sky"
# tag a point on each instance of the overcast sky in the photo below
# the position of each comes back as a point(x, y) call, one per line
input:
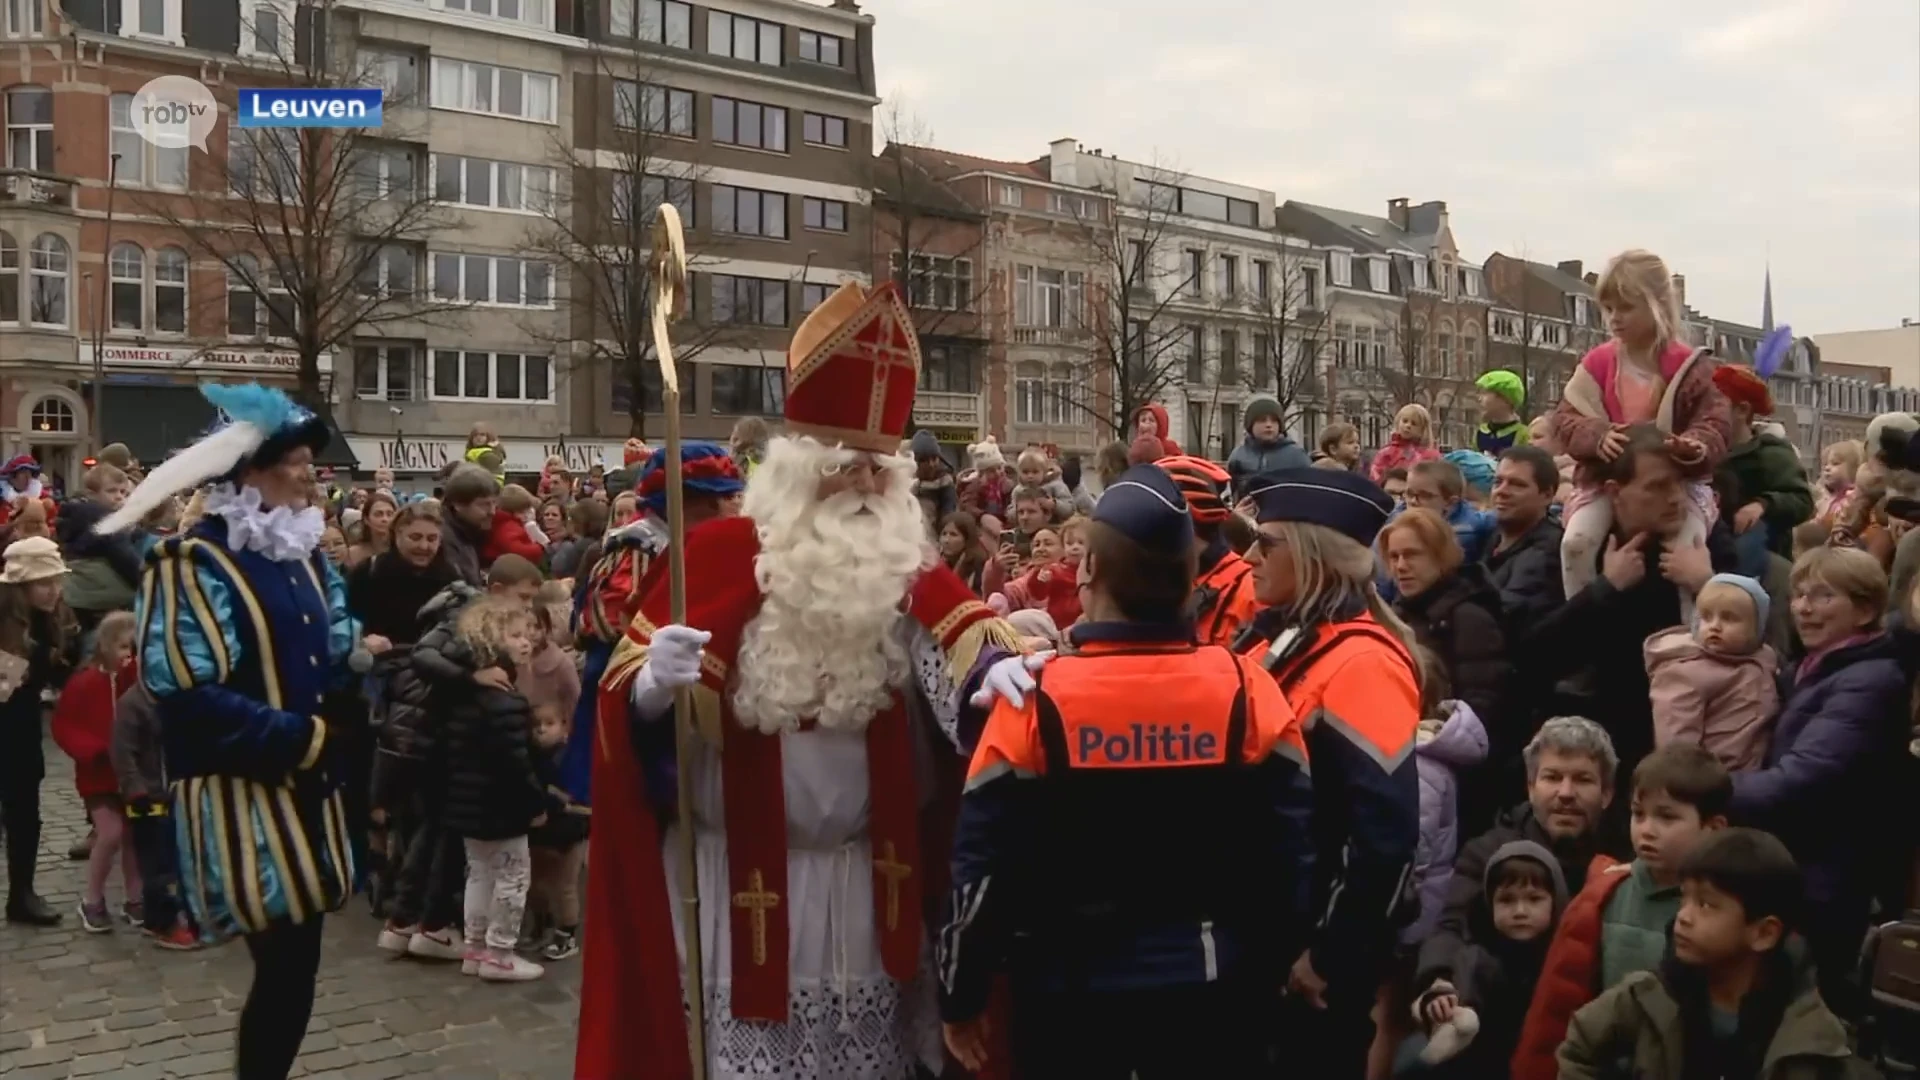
point(1715, 132)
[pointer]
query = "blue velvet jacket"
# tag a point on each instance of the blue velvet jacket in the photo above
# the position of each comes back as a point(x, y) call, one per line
point(240, 650)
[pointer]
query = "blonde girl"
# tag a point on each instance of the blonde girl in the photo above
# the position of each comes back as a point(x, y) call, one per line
point(83, 727)
point(1839, 462)
point(1410, 444)
point(1647, 374)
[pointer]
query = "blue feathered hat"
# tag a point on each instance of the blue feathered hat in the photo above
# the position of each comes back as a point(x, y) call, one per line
point(257, 427)
point(705, 469)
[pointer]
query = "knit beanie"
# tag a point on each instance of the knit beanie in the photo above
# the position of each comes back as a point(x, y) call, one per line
point(925, 445)
point(1476, 468)
point(1506, 384)
point(1264, 408)
point(1761, 601)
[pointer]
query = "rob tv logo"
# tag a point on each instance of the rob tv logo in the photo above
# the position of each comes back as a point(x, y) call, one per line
point(177, 112)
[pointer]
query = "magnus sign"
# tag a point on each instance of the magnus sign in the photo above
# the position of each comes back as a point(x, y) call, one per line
point(406, 454)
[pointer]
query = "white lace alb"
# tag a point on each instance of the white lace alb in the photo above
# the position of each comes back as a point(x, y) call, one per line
point(282, 534)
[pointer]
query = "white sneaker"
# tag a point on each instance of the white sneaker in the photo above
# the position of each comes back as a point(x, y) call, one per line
point(509, 968)
point(440, 945)
point(396, 940)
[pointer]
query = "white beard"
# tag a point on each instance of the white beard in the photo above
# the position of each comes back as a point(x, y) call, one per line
point(823, 646)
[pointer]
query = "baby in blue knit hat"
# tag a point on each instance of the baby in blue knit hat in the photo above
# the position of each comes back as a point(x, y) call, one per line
point(1712, 682)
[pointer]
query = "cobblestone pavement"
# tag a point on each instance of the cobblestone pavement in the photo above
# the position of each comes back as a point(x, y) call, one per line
point(74, 1004)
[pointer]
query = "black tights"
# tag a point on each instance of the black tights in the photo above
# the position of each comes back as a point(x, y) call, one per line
point(286, 961)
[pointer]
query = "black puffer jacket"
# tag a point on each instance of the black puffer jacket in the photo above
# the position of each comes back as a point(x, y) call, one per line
point(493, 790)
point(388, 594)
point(1527, 575)
point(1459, 619)
point(413, 676)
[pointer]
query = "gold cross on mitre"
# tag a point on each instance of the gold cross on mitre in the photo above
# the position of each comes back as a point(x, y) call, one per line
point(758, 900)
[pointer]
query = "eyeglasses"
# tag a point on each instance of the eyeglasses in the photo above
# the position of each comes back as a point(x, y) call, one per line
point(849, 469)
point(1264, 543)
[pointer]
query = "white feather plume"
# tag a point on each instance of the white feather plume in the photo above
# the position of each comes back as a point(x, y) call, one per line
point(204, 460)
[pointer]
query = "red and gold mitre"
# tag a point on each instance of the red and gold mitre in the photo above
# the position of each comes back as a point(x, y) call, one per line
point(852, 370)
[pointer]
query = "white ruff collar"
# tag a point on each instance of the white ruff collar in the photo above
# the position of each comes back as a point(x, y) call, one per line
point(282, 534)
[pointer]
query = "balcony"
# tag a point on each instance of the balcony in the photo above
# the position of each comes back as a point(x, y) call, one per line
point(943, 409)
point(20, 188)
point(1048, 335)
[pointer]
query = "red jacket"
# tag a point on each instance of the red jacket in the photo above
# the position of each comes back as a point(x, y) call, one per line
point(83, 726)
point(509, 535)
point(1569, 976)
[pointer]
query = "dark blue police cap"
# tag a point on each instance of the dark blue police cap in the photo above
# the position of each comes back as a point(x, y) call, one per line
point(1145, 506)
point(1346, 502)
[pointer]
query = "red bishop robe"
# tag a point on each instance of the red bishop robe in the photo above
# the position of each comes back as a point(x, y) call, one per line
point(631, 1016)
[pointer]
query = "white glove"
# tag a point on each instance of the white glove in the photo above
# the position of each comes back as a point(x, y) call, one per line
point(1009, 679)
point(673, 661)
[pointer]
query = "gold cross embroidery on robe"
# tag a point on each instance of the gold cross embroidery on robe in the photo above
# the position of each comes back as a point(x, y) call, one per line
point(757, 900)
point(894, 871)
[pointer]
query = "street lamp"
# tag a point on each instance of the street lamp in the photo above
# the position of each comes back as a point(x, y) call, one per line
point(100, 316)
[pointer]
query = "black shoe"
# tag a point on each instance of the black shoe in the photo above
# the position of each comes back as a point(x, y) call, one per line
point(82, 848)
point(31, 910)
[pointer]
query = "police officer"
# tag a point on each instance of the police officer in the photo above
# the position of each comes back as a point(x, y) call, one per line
point(1223, 588)
point(1345, 663)
point(1133, 842)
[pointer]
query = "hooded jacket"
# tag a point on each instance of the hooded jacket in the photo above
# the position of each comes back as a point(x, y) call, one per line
point(1721, 701)
point(1459, 619)
point(1766, 469)
point(1446, 746)
point(1654, 1026)
point(87, 555)
point(1162, 428)
point(1256, 456)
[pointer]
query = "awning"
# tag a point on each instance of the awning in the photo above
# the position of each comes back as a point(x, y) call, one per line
point(157, 420)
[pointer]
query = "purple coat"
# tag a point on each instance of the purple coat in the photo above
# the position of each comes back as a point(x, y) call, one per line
point(1460, 742)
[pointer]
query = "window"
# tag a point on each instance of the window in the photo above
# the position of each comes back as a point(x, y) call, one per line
point(1196, 272)
point(51, 263)
point(150, 19)
point(1420, 274)
point(398, 74)
point(736, 390)
point(751, 301)
point(1377, 273)
point(493, 185)
point(1504, 326)
point(663, 22)
point(127, 269)
point(828, 214)
point(498, 280)
point(1263, 362)
point(1009, 195)
point(1066, 395)
point(821, 48)
point(267, 30)
point(746, 212)
point(1138, 274)
point(483, 376)
point(1470, 281)
point(24, 19)
point(1045, 297)
point(50, 415)
point(170, 291)
point(1470, 350)
point(744, 39)
point(140, 163)
point(652, 394)
point(1030, 393)
point(813, 295)
point(9, 278)
point(384, 171)
point(1195, 339)
point(1229, 358)
point(30, 129)
point(745, 123)
point(1446, 350)
point(1310, 287)
point(1342, 268)
point(654, 190)
point(658, 110)
point(1262, 279)
point(1226, 278)
point(497, 91)
point(535, 13)
point(937, 282)
point(264, 163)
point(948, 370)
point(391, 272)
point(245, 285)
point(385, 373)
point(823, 130)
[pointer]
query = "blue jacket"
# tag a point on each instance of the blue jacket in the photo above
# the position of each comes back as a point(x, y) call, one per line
point(239, 650)
point(1829, 775)
point(1253, 457)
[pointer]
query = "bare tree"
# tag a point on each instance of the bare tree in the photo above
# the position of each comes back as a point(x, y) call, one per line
point(322, 231)
point(923, 228)
point(1292, 327)
point(599, 230)
point(1139, 346)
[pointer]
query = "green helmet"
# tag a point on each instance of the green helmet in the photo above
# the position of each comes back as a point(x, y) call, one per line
point(1506, 384)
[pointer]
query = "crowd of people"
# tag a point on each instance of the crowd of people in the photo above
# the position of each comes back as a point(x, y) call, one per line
point(1577, 752)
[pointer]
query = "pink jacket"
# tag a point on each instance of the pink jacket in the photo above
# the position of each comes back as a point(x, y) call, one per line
point(1401, 454)
point(1721, 701)
point(1692, 407)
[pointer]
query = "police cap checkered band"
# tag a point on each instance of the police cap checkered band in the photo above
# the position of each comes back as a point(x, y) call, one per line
point(1202, 483)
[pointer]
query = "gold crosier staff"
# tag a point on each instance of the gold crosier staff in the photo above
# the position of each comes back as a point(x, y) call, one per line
point(669, 264)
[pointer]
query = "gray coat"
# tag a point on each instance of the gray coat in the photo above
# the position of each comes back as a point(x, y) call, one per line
point(139, 761)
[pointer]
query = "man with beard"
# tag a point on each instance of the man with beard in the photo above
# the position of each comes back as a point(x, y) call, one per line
point(823, 646)
point(1570, 768)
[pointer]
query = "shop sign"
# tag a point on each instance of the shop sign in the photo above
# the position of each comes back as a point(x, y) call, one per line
point(408, 454)
point(963, 436)
point(186, 357)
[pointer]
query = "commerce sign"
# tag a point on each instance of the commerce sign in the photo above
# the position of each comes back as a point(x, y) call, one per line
point(263, 361)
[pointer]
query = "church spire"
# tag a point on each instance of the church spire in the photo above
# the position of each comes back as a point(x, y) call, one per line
point(1766, 303)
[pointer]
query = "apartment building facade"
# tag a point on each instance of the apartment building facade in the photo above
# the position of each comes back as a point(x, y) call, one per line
point(1542, 319)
